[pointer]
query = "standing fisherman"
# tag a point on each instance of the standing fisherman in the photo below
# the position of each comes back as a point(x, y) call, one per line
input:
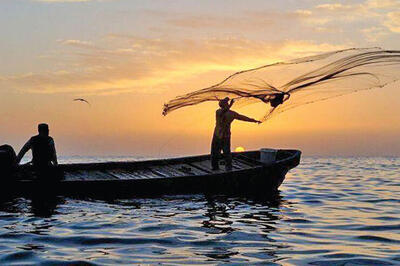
point(222, 133)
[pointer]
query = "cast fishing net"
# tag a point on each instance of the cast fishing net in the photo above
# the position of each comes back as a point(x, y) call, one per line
point(286, 85)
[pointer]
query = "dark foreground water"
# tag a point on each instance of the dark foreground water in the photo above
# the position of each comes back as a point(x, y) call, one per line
point(329, 212)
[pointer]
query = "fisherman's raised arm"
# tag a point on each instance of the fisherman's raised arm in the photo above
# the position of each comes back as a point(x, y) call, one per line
point(231, 103)
point(24, 150)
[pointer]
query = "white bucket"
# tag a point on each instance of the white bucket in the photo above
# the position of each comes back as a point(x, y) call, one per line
point(268, 156)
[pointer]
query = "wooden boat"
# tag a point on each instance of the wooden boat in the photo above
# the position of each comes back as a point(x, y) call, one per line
point(155, 177)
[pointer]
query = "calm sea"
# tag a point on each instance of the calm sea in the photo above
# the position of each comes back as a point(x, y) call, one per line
point(330, 211)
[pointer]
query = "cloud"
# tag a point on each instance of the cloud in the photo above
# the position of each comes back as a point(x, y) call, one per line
point(63, 1)
point(367, 12)
point(374, 34)
point(373, 13)
point(220, 22)
point(393, 21)
point(321, 18)
point(335, 7)
point(383, 4)
point(334, 13)
point(133, 64)
point(77, 43)
point(303, 12)
point(246, 21)
point(255, 20)
point(70, 1)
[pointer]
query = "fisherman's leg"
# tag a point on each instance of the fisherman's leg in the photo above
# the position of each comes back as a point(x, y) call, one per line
point(215, 152)
point(227, 153)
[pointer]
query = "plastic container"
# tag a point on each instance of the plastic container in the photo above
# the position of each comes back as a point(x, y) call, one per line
point(268, 156)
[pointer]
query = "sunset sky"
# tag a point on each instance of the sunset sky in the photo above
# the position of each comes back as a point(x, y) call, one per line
point(128, 58)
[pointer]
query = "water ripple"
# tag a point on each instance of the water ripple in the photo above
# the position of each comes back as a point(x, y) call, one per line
point(330, 211)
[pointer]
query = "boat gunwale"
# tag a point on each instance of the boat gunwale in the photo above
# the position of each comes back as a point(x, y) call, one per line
point(295, 153)
point(258, 166)
point(165, 161)
point(172, 160)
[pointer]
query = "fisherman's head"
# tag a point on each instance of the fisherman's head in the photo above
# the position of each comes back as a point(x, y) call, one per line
point(43, 129)
point(224, 103)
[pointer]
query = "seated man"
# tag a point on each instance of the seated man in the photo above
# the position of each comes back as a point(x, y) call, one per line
point(222, 133)
point(43, 149)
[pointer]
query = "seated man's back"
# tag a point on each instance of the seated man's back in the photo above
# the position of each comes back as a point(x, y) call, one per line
point(43, 148)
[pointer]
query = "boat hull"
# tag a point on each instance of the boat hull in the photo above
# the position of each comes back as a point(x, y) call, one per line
point(254, 178)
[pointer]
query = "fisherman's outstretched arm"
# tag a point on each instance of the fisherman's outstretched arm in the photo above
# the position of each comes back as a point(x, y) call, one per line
point(24, 150)
point(245, 118)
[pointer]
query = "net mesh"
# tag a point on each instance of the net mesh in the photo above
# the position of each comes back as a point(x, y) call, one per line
point(286, 85)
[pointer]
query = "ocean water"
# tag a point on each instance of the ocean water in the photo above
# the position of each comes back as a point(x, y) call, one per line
point(329, 211)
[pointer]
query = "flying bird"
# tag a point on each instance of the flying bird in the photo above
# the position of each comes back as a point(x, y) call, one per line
point(81, 100)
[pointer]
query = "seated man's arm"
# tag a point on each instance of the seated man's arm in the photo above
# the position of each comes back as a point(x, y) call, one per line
point(53, 152)
point(24, 150)
point(245, 118)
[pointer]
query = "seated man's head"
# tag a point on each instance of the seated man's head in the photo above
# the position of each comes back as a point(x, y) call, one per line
point(224, 103)
point(43, 129)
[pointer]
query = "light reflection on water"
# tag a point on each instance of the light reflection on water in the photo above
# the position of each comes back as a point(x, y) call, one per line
point(329, 211)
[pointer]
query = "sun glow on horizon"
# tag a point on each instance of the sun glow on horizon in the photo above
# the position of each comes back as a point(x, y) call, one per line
point(239, 149)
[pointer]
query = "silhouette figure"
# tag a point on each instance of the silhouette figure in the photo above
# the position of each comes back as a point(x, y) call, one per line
point(43, 149)
point(81, 100)
point(222, 133)
point(7, 160)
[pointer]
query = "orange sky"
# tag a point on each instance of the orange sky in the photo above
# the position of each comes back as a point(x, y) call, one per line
point(128, 58)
